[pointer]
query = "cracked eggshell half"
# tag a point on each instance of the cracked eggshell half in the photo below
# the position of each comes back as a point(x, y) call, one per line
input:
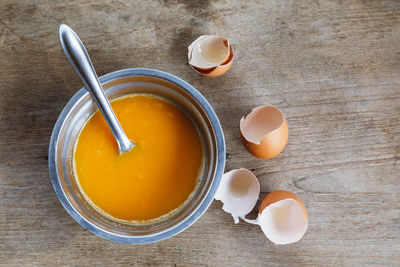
point(264, 132)
point(283, 217)
point(238, 190)
point(210, 55)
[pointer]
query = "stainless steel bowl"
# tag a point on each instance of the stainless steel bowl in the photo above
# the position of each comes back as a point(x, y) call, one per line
point(79, 109)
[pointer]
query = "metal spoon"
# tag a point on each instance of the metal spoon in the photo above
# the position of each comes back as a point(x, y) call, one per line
point(79, 58)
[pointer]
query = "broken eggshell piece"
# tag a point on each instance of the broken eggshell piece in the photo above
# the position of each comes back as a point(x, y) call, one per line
point(210, 55)
point(283, 217)
point(238, 190)
point(264, 132)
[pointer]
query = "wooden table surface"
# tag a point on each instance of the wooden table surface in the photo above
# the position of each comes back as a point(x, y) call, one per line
point(333, 67)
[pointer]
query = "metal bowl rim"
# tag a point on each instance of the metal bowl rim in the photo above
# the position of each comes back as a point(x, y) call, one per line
point(220, 158)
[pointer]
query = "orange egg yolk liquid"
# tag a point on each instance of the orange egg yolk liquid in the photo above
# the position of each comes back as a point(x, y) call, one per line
point(156, 176)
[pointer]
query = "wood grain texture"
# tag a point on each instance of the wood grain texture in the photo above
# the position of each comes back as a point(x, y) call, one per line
point(333, 68)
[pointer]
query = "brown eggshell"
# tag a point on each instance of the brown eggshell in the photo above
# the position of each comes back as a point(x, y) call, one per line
point(213, 43)
point(264, 132)
point(279, 195)
point(218, 70)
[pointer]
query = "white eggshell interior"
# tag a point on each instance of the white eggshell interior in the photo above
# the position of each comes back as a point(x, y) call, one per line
point(283, 222)
point(260, 122)
point(208, 51)
point(238, 190)
point(192, 45)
